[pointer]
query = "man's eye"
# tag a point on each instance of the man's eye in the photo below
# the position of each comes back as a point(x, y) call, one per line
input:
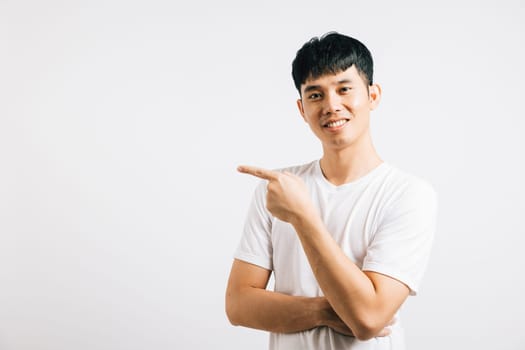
point(314, 96)
point(346, 89)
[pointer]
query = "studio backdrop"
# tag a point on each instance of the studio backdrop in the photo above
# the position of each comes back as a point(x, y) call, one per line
point(122, 123)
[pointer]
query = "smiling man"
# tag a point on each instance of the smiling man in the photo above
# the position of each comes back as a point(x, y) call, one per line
point(348, 236)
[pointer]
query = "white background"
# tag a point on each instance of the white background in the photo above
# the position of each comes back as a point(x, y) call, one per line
point(122, 122)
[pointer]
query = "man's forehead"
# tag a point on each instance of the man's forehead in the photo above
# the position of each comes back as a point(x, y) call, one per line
point(348, 75)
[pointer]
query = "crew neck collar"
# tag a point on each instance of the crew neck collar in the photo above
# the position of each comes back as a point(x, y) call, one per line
point(357, 182)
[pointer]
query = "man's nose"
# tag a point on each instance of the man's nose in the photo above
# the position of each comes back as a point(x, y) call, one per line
point(332, 104)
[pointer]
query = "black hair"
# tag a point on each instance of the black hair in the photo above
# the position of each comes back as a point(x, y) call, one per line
point(332, 53)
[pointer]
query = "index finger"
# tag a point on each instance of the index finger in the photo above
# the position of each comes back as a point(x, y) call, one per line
point(258, 172)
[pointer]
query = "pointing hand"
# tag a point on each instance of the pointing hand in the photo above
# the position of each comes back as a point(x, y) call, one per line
point(287, 198)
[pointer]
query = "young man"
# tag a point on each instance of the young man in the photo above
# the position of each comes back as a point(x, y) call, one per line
point(347, 236)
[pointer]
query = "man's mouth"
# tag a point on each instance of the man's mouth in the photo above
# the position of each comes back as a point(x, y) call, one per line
point(336, 123)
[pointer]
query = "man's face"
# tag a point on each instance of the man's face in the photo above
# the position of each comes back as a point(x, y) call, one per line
point(337, 108)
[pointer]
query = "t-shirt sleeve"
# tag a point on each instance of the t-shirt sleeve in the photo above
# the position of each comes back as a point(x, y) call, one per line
point(401, 245)
point(255, 246)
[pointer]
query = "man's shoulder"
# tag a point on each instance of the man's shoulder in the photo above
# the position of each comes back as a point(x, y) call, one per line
point(401, 183)
point(408, 178)
point(301, 170)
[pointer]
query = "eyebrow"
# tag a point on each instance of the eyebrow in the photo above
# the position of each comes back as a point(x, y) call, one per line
point(318, 87)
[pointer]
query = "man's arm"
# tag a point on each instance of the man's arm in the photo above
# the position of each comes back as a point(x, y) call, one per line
point(365, 301)
point(249, 304)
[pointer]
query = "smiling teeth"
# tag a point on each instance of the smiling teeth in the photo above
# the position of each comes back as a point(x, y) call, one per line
point(336, 123)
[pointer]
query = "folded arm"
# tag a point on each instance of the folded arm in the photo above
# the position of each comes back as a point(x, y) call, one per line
point(366, 301)
point(249, 304)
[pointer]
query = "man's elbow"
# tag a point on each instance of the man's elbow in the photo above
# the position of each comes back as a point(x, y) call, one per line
point(233, 317)
point(364, 334)
point(232, 311)
point(367, 329)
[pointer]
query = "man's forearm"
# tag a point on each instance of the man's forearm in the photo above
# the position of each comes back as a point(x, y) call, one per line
point(276, 312)
point(354, 297)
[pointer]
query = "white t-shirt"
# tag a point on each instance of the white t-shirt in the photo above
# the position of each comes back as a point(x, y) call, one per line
point(384, 222)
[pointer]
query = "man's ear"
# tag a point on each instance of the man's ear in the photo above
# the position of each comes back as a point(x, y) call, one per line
point(301, 109)
point(374, 94)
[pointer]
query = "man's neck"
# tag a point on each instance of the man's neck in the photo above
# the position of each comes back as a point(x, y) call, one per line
point(342, 166)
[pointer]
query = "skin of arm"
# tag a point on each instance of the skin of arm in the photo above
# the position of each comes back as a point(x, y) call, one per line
point(365, 301)
point(249, 304)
